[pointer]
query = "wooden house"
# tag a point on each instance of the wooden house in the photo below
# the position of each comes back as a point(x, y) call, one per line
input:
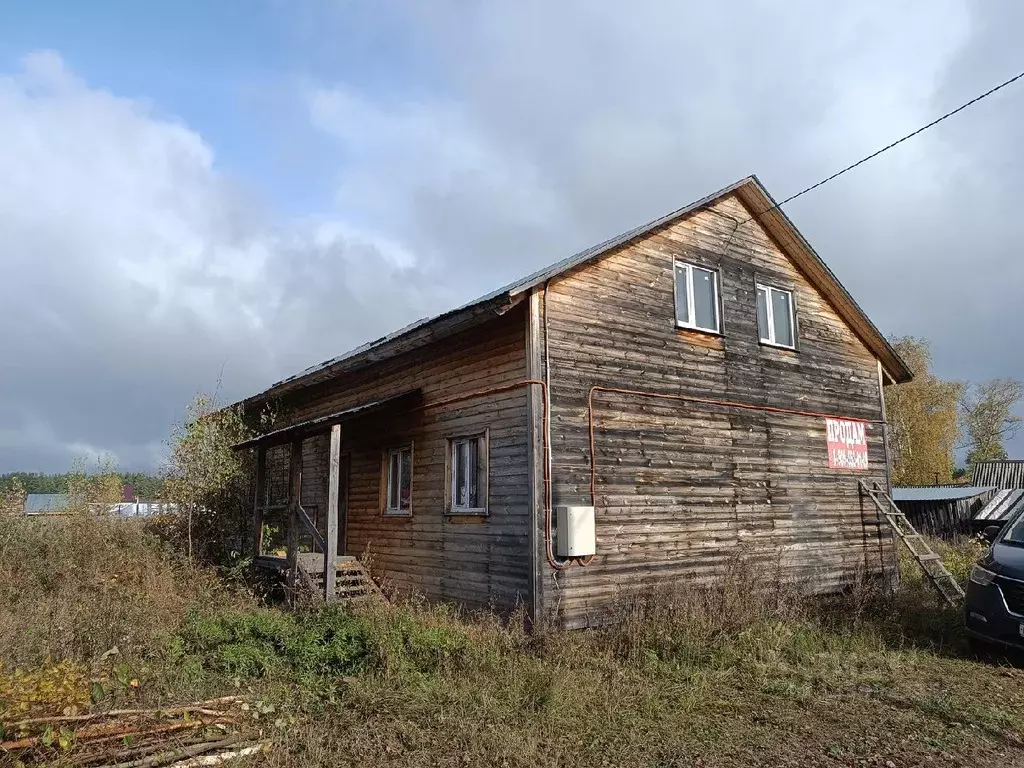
point(698, 386)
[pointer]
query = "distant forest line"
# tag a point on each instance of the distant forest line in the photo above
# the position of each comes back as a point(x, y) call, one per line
point(146, 486)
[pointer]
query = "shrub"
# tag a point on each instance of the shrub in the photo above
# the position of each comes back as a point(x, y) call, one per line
point(74, 587)
point(268, 642)
point(206, 480)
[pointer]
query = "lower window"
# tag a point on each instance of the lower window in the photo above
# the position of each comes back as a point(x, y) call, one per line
point(467, 471)
point(398, 494)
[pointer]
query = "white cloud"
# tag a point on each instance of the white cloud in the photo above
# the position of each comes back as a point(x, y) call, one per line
point(132, 268)
point(134, 271)
point(545, 127)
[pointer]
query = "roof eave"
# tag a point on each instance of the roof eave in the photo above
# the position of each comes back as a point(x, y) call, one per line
point(411, 337)
point(784, 231)
point(763, 207)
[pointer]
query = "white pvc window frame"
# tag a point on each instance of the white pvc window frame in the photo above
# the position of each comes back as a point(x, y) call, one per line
point(690, 321)
point(770, 338)
point(475, 462)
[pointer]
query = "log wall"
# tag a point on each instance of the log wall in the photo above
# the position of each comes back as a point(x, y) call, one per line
point(681, 488)
point(477, 561)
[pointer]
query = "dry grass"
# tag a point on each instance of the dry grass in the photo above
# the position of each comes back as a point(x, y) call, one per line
point(77, 586)
point(736, 675)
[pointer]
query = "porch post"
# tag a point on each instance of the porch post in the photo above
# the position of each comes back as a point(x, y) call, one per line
point(330, 571)
point(294, 498)
point(259, 500)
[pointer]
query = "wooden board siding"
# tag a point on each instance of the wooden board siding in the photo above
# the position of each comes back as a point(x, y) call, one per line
point(681, 487)
point(946, 518)
point(473, 560)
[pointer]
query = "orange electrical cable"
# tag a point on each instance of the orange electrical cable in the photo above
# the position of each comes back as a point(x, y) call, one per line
point(548, 538)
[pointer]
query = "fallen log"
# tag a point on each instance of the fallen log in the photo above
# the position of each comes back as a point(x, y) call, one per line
point(172, 755)
point(203, 707)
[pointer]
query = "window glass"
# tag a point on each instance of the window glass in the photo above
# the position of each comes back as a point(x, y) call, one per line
point(394, 468)
point(399, 490)
point(461, 488)
point(405, 502)
point(682, 300)
point(469, 473)
point(762, 314)
point(1015, 530)
point(696, 291)
point(782, 319)
point(704, 299)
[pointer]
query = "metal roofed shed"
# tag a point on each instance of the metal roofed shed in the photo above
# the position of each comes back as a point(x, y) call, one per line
point(1000, 507)
point(939, 493)
point(945, 511)
point(605, 384)
point(46, 503)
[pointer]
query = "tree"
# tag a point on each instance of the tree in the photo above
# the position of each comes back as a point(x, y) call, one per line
point(922, 416)
point(204, 477)
point(12, 498)
point(987, 418)
point(147, 487)
point(102, 486)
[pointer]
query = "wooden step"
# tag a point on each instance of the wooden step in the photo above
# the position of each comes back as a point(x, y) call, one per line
point(352, 582)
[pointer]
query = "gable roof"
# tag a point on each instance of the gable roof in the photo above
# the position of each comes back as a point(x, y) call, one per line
point(749, 190)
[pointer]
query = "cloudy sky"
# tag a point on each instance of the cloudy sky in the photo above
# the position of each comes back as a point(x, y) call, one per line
point(197, 191)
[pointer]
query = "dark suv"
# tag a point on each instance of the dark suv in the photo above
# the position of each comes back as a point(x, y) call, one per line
point(994, 608)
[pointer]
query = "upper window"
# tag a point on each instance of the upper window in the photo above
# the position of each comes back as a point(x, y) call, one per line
point(398, 500)
point(696, 298)
point(467, 458)
point(775, 316)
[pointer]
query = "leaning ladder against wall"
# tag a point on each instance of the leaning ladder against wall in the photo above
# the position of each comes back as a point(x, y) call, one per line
point(929, 560)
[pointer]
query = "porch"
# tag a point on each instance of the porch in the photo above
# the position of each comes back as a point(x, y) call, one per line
point(304, 496)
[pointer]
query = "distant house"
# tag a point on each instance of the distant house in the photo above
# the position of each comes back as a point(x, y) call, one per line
point(58, 503)
point(944, 510)
point(634, 415)
point(46, 503)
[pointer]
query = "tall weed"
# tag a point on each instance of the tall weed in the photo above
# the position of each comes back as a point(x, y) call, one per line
point(75, 587)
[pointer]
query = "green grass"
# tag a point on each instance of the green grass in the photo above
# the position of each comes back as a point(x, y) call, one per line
point(743, 675)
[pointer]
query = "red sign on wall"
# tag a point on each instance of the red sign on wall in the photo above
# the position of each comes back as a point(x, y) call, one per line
point(847, 443)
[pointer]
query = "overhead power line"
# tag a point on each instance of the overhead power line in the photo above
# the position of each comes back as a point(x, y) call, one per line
point(887, 147)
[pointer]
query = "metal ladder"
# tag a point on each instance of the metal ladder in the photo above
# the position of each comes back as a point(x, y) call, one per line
point(917, 545)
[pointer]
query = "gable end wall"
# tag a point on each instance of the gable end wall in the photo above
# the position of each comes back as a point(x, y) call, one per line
point(683, 488)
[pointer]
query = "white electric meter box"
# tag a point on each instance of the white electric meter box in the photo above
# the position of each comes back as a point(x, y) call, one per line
point(575, 534)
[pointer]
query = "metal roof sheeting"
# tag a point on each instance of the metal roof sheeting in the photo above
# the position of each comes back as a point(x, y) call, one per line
point(323, 423)
point(1002, 505)
point(431, 328)
point(1008, 473)
point(45, 503)
point(939, 493)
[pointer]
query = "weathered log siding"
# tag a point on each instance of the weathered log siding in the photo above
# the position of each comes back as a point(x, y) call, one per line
point(681, 487)
point(473, 560)
point(946, 518)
